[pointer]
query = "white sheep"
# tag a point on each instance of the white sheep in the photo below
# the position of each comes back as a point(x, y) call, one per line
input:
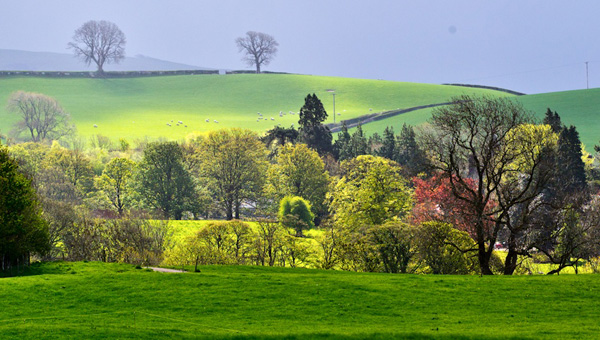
point(208, 120)
point(216, 121)
point(272, 118)
point(95, 125)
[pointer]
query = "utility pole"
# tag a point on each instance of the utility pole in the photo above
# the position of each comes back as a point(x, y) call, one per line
point(333, 93)
point(587, 75)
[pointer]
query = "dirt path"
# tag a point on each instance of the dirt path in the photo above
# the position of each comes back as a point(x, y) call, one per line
point(167, 270)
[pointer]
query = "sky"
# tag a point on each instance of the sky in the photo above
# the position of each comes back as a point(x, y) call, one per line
point(527, 45)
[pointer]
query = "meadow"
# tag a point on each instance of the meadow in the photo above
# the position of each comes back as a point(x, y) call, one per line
point(579, 108)
point(92, 300)
point(133, 108)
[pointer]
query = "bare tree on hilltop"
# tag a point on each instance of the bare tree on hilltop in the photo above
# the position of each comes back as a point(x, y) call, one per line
point(258, 48)
point(99, 41)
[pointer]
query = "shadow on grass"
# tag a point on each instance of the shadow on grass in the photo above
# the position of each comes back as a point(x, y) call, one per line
point(376, 336)
point(39, 268)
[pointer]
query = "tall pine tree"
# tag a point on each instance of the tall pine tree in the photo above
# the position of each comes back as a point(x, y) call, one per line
point(312, 131)
point(388, 147)
point(569, 165)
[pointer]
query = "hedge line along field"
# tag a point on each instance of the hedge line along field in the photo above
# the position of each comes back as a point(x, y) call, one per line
point(99, 301)
point(579, 108)
point(133, 108)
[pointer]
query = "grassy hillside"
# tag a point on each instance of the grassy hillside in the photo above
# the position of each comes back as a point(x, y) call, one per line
point(101, 301)
point(137, 107)
point(579, 108)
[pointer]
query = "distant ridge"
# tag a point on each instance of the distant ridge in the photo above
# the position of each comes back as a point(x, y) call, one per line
point(17, 60)
point(489, 88)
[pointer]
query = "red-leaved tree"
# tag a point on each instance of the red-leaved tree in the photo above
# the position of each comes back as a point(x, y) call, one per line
point(434, 201)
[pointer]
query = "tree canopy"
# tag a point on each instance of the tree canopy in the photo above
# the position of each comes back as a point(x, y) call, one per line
point(22, 229)
point(41, 116)
point(99, 42)
point(258, 48)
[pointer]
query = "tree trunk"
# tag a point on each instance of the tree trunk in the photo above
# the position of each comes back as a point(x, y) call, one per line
point(484, 260)
point(510, 264)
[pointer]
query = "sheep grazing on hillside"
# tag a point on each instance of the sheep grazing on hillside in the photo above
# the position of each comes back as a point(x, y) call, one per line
point(216, 121)
point(185, 126)
point(208, 120)
point(95, 125)
point(272, 118)
point(180, 122)
point(168, 124)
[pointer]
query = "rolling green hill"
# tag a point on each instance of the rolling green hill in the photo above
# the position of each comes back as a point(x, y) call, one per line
point(580, 108)
point(136, 107)
point(116, 301)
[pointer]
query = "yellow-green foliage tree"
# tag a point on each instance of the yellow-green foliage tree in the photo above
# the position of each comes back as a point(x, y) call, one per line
point(115, 183)
point(370, 192)
point(294, 212)
point(299, 171)
point(235, 163)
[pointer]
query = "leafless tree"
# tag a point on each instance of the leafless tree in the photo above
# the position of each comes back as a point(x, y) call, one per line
point(42, 115)
point(100, 42)
point(258, 48)
point(477, 139)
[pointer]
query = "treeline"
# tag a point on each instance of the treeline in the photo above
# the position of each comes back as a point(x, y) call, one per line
point(482, 175)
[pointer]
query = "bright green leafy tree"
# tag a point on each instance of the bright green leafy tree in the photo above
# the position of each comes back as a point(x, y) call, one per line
point(115, 183)
point(370, 192)
point(299, 171)
point(163, 181)
point(294, 212)
point(235, 163)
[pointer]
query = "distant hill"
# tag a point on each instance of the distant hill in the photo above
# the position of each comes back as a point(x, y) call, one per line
point(580, 108)
point(15, 60)
point(132, 108)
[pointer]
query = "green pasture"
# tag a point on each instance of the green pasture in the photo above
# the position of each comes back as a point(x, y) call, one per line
point(110, 301)
point(580, 108)
point(133, 108)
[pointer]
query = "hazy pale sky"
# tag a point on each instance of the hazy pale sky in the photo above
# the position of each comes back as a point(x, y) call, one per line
point(529, 46)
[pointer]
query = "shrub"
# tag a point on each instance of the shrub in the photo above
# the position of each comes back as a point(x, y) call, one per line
point(446, 250)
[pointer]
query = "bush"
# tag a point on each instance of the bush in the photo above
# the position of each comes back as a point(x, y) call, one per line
point(446, 250)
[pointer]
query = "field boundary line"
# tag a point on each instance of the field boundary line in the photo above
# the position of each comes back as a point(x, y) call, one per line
point(60, 317)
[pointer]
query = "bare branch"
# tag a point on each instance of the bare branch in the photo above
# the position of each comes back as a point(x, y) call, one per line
point(258, 48)
point(99, 42)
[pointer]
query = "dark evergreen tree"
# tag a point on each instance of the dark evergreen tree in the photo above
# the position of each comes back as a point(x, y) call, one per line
point(278, 137)
point(342, 144)
point(571, 177)
point(388, 147)
point(553, 119)
point(22, 229)
point(358, 142)
point(408, 153)
point(375, 142)
point(312, 131)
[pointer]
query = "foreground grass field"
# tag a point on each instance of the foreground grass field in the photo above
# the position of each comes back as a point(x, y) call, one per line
point(137, 107)
point(100, 301)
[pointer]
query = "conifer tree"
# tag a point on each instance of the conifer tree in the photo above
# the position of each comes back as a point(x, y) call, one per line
point(313, 133)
